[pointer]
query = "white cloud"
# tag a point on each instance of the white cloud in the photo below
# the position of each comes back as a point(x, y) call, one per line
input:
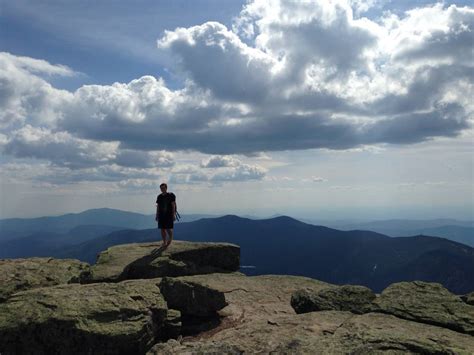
point(36, 66)
point(65, 150)
point(61, 148)
point(289, 76)
point(215, 58)
point(24, 96)
point(218, 161)
point(433, 34)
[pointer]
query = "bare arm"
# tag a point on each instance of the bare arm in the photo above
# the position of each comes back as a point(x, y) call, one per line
point(156, 218)
point(173, 204)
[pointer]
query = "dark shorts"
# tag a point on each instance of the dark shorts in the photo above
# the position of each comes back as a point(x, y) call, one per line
point(165, 222)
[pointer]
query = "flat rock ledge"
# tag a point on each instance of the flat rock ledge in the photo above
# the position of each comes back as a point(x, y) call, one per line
point(325, 332)
point(417, 301)
point(24, 274)
point(258, 318)
point(148, 260)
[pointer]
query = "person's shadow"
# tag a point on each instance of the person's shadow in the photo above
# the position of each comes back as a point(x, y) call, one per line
point(139, 269)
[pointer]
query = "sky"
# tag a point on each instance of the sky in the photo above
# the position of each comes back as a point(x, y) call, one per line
point(340, 109)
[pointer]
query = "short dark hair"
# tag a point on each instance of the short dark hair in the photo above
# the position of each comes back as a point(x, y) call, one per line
point(164, 184)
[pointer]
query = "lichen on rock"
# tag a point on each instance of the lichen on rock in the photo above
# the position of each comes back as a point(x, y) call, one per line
point(24, 274)
point(149, 260)
point(125, 317)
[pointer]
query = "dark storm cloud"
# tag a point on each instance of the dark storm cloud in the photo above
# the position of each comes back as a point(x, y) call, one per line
point(446, 120)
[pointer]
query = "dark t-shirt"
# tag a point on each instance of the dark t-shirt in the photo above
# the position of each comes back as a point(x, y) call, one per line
point(165, 208)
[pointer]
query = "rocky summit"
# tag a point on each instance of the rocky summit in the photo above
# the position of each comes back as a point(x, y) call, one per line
point(148, 260)
point(191, 299)
point(23, 274)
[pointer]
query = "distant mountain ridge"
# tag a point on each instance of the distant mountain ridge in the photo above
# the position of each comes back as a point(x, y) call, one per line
point(279, 245)
point(283, 245)
point(455, 230)
point(12, 228)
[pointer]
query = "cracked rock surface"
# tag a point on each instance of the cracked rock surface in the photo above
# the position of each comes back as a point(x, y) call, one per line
point(259, 318)
point(326, 332)
point(188, 299)
point(148, 260)
point(125, 317)
point(248, 297)
point(24, 274)
point(429, 303)
point(355, 299)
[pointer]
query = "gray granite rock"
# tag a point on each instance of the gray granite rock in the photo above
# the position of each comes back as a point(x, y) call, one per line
point(104, 318)
point(325, 332)
point(427, 303)
point(469, 298)
point(355, 299)
point(148, 260)
point(24, 274)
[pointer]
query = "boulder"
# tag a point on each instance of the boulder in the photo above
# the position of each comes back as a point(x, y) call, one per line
point(148, 260)
point(235, 297)
point(427, 303)
point(355, 299)
point(24, 274)
point(104, 318)
point(325, 332)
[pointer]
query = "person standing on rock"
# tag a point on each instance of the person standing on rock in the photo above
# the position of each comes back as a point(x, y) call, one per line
point(166, 213)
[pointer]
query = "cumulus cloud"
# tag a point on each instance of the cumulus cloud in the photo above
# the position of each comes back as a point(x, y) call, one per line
point(61, 148)
point(64, 150)
point(433, 33)
point(218, 161)
point(287, 76)
point(216, 59)
point(24, 96)
point(218, 169)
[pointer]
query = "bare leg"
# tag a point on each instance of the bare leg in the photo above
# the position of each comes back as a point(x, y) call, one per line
point(170, 235)
point(163, 236)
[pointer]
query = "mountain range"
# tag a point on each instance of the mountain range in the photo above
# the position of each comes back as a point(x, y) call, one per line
point(280, 245)
point(283, 245)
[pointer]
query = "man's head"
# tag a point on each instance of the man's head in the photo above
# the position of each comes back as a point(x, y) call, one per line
point(163, 187)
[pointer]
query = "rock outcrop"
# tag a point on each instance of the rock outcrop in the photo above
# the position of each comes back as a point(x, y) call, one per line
point(325, 332)
point(429, 303)
point(126, 317)
point(148, 260)
point(355, 299)
point(469, 298)
point(245, 298)
point(190, 299)
point(24, 274)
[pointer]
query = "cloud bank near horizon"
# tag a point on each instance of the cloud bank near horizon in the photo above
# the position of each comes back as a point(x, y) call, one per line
point(290, 76)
